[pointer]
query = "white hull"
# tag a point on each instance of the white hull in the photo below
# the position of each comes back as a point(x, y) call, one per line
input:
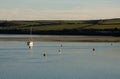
point(30, 44)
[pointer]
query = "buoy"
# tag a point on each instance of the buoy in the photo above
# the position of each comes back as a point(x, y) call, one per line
point(44, 54)
point(59, 51)
point(93, 49)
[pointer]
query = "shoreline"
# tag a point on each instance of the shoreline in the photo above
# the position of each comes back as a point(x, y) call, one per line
point(65, 39)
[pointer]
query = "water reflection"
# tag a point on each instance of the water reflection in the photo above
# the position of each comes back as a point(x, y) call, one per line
point(30, 53)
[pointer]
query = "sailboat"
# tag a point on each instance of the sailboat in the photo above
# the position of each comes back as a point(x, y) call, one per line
point(30, 43)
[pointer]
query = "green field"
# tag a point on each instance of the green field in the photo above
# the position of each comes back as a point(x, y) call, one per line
point(59, 25)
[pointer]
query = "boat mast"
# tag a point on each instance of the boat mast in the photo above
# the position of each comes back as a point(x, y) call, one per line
point(30, 33)
point(30, 43)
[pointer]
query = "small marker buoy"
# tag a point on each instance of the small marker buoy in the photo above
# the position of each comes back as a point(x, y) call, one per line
point(93, 49)
point(44, 54)
point(59, 51)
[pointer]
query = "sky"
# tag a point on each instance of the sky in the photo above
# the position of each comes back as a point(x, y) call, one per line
point(59, 9)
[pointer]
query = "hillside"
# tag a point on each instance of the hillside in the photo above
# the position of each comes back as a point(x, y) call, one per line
point(107, 27)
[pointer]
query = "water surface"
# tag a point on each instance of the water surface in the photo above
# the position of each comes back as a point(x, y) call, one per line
point(77, 60)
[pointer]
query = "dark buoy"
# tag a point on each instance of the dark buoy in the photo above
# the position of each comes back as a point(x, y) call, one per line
point(59, 51)
point(44, 54)
point(93, 49)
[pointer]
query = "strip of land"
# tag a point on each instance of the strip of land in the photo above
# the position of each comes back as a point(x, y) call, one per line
point(103, 27)
point(65, 39)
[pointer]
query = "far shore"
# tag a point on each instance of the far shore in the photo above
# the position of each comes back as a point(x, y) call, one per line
point(65, 39)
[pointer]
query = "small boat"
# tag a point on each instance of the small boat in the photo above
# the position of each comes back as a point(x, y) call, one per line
point(30, 43)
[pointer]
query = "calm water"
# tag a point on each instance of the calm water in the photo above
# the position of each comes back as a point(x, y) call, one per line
point(76, 61)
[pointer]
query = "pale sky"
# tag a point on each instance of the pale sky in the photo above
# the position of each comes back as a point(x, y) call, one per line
point(59, 9)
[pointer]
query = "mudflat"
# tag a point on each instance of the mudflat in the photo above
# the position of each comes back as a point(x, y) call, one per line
point(66, 39)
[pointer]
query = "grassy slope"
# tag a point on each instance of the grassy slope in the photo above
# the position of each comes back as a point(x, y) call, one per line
point(60, 25)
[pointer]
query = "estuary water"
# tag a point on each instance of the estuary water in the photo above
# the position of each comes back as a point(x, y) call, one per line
point(72, 60)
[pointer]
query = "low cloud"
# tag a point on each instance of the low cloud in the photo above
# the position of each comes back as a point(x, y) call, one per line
point(73, 14)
